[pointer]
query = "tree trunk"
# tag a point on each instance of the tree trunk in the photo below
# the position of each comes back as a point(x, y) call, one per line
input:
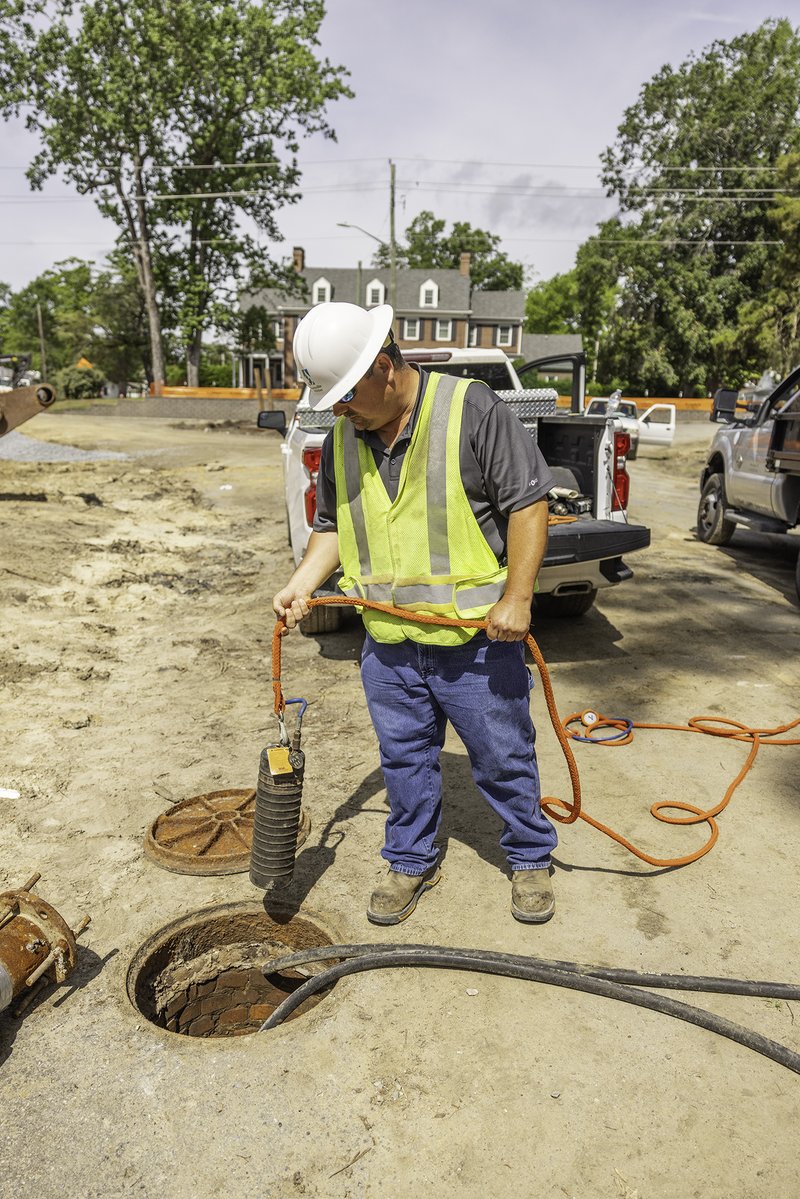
point(193, 354)
point(144, 263)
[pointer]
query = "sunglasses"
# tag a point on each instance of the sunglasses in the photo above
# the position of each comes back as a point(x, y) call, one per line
point(350, 395)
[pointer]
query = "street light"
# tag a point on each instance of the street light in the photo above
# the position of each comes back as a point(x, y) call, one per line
point(392, 258)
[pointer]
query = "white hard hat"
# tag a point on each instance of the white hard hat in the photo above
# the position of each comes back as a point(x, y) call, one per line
point(335, 345)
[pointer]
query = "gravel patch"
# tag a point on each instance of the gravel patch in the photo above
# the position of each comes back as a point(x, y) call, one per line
point(17, 447)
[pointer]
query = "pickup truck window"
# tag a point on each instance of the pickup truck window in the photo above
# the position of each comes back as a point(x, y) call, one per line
point(494, 373)
point(599, 408)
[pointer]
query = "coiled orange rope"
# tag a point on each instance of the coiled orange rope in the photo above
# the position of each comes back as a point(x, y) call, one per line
point(559, 809)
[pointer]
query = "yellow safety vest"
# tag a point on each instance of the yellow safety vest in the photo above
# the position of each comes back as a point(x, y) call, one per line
point(425, 551)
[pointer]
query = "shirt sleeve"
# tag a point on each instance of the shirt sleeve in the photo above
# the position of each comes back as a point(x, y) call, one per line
point(514, 472)
point(325, 515)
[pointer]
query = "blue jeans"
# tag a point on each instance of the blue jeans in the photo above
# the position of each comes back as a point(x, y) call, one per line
point(483, 689)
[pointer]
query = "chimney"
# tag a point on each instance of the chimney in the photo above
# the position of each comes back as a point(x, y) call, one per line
point(463, 266)
point(298, 258)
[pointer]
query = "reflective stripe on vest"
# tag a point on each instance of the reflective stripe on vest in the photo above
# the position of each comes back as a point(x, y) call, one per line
point(425, 550)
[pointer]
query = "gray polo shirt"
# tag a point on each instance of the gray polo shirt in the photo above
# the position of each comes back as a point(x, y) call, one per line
point(501, 467)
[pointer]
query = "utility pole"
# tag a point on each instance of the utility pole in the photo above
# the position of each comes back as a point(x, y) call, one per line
point(41, 341)
point(392, 242)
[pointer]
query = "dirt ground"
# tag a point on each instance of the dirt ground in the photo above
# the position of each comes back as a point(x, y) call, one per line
point(135, 671)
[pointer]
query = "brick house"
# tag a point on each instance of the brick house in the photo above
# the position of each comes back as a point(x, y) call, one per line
point(434, 308)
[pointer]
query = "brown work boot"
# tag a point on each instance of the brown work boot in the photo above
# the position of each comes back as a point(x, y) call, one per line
point(396, 895)
point(532, 898)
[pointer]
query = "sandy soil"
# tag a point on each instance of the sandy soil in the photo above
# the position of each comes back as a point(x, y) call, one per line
point(135, 671)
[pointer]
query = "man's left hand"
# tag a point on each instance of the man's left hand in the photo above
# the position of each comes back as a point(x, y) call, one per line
point(508, 620)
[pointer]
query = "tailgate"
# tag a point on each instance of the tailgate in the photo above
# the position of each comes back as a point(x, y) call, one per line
point(591, 540)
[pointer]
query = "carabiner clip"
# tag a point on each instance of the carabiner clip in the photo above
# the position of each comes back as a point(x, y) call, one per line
point(282, 722)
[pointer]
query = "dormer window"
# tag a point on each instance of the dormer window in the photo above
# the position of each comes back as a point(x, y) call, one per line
point(321, 291)
point(376, 293)
point(429, 294)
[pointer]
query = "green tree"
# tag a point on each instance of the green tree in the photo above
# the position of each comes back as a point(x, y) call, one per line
point(429, 247)
point(552, 306)
point(65, 297)
point(693, 169)
point(145, 105)
point(120, 343)
point(770, 322)
point(86, 313)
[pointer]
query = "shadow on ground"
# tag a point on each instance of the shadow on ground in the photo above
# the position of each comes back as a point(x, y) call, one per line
point(87, 968)
point(769, 557)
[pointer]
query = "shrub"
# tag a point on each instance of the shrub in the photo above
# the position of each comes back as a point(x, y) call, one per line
point(215, 374)
point(79, 382)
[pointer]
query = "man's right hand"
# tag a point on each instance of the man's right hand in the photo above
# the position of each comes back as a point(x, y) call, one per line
point(319, 562)
point(292, 605)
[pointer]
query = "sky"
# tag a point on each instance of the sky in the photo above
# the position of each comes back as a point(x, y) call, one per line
point(494, 112)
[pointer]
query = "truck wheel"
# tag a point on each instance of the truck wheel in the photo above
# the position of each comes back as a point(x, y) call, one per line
point(797, 577)
point(713, 526)
point(326, 618)
point(563, 606)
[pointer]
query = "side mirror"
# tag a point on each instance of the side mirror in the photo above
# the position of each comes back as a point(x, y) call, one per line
point(724, 404)
point(276, 419)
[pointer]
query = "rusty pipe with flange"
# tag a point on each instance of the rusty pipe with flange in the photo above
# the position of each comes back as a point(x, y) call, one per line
point(35, 942)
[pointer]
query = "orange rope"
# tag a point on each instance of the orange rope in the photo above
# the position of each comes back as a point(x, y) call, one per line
point(559, 809)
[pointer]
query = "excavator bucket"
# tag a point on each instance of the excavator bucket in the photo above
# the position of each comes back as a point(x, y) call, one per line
point(21, 403)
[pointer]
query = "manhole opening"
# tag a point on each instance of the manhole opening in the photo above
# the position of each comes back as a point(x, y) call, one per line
point(204, 975)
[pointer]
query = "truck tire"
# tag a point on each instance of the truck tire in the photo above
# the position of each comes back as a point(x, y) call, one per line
point(563, 606)
point(713, 527)
point(797, 577)
point(326, 618)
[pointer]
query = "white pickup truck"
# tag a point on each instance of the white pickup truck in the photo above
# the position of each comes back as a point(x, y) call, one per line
point(587, 456)
point(656, 426)
point(752, 472)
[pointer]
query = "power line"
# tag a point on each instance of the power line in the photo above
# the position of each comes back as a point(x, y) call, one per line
point(734, 195)
point(458, 162)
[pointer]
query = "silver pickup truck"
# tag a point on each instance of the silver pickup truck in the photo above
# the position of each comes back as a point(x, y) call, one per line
point(752, 473)
point(587, 456)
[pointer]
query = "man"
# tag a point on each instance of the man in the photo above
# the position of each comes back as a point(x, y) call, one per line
point(432, 497)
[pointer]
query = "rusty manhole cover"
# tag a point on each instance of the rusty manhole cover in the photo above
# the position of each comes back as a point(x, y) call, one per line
point(207, 974)
point(209, 834)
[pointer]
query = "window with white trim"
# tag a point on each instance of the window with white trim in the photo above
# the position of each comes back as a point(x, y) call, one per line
point(277, 330)
point(376, 293)
point(411, 329)
point(504, 333)
point(429, 294)
point(473, 336)
point(444, 330)
point(321, 291)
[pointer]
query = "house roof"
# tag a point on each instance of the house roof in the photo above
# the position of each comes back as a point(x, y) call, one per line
point(498, 305)
point(544, 345)
point(454, 289)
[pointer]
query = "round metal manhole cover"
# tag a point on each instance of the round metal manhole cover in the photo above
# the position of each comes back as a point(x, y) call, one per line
point(209, 834)
point(207, 974)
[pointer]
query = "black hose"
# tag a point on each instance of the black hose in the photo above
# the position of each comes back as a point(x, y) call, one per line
point(486, 962)
point(667, 982)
